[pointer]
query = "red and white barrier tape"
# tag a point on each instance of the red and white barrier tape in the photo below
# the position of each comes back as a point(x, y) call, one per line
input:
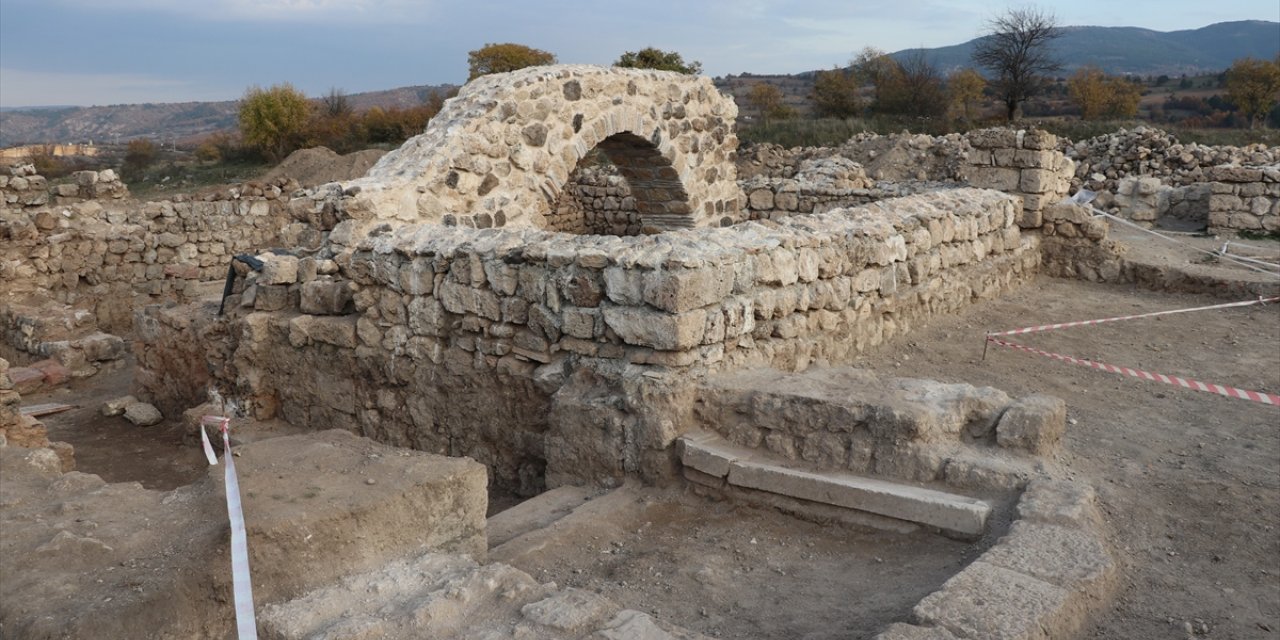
point(241, 586)
point(1195, 385)
point(1078, 323)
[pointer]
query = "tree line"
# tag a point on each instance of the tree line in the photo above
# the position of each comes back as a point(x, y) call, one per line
point(1012, 63)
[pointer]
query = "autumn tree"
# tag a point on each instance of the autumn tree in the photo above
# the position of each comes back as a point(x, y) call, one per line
point(504, 57)
point(1098, 95)
point(138, 155)
point(873, 66)
point(1016, 53)
point(835, 94)
point(272, 120)
point(912, 86)
point(964, 91)
point(1253, 86)
point(767, 99)
point(654, 58)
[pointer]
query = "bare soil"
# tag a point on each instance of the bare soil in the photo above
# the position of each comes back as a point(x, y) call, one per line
point(320, 165)
point(730, 571)
point(113, 447)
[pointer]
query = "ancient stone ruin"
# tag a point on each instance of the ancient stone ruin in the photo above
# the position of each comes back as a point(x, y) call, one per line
point(496, 312)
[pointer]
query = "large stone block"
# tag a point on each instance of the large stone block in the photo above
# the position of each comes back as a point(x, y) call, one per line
point(998, 178)
point(657, 329)
point(986, 601)
point(685, 289)
point(326, 297)
point(1034, 424)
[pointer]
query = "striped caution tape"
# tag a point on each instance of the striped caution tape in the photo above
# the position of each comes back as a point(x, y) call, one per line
point(1195, 385)
point(241, 586)
point(1079, 323)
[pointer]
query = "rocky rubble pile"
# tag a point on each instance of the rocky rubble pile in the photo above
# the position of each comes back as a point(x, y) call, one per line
point(1103, 161)
point(835, 173)
point(906, 156)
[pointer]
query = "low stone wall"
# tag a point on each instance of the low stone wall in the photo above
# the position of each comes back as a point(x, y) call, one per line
point(111, 256)
point(549, 339)
point(21, 187)
point(1244, 199)
point(1024, 163)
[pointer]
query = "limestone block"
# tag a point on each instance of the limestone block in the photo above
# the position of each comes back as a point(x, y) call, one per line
point(1038, 181)
point(117, 406)
point(1069, 557)
point(142, 414)
point(993, 138)
point(1072, 504)
point(571, 610)
point(26, 380)
point(986, 601)
point(326, 297)
point(339, 331)
point(1034, 424)
point(685, 289)
point(273, 297)
point(102, 347)
point(1039, 139)
point(761, 199)
point(1067, 212)
point(903, 631)
point(278, 269)
point(904, 502)
point(1232, 173)
point(998, 178)
point(67, 190)
point(656, 329)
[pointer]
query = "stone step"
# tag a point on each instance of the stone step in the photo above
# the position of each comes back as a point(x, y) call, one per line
point(597, 509)
point(742, 467)
point(535, 513)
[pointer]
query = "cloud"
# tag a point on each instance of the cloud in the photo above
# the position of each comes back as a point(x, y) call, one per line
point(298, 11)
point(21, 88)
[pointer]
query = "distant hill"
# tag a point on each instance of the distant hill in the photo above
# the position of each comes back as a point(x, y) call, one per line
point(181, 121)
point(1133, 50)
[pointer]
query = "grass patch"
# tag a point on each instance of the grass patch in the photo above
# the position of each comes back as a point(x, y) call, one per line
point(1250, 234)
point(163, 181)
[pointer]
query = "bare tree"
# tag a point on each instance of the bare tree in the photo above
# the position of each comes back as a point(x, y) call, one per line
point(1016, 52)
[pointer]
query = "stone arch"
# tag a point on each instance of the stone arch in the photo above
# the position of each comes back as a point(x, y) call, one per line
point(499, 154)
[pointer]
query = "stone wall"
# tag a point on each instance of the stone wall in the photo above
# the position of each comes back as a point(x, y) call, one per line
point(1024, 163)
point(21, 187)
point(597, 201)
point(1244, 199)
point(112, 255)
point(552, 342)
point(500, 152)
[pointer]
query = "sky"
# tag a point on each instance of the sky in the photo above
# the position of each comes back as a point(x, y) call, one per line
point(97, 52)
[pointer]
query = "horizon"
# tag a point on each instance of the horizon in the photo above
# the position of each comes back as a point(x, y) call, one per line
point(213, 52)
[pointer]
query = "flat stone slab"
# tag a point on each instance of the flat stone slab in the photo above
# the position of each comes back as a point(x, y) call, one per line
point(749, 469)
point(986, 601)
point(535, 513)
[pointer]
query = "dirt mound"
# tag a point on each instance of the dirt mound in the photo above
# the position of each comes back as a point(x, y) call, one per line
point(320, 165)
point(904, 156)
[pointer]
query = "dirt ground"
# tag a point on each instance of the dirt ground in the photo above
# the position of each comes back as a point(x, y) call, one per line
point(1189, 481)
point(730, 571)
point(114, 448)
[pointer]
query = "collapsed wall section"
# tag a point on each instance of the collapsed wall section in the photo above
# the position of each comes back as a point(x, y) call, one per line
point(524, 348)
